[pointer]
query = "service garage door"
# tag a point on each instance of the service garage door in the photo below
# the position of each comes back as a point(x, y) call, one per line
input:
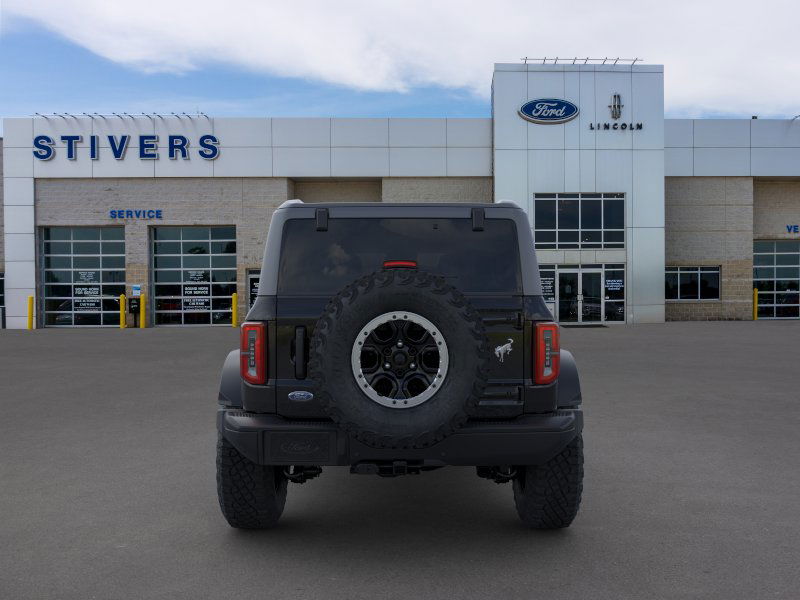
point(82, 275)
point(776, 274)
point(194, 275)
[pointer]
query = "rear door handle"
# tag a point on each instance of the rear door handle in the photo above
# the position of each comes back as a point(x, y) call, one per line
point(300, 352)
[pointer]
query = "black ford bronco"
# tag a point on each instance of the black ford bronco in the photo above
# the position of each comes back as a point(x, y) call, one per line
point(396, 339)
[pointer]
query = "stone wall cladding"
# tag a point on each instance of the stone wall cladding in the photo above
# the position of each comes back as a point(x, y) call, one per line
point(338, 191)
point(438, 189)
point(776, 204)
point(247, 203)
point(709, 222)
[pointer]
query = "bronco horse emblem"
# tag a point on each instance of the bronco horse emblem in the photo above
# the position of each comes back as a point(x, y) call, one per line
point(501, 351)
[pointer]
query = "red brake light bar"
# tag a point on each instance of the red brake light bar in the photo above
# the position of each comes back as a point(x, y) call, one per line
point(253, 353)
point(399, 264)
point(546, 353)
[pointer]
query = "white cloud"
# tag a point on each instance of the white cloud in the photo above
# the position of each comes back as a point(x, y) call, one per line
point(719, 56)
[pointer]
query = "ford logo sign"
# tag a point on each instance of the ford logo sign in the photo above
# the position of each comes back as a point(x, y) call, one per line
point(547, 111)
point(300, 396)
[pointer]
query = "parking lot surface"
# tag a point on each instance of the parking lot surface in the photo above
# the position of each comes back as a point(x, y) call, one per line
point(692, 483)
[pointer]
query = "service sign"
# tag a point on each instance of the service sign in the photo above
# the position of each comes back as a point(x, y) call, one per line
point(548, 111)
point(87, 290)
point(197, 290)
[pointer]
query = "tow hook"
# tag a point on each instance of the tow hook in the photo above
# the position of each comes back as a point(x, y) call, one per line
point(497, 474)
point(297, 474)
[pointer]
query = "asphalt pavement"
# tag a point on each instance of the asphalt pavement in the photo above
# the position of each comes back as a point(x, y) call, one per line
point(692, 485)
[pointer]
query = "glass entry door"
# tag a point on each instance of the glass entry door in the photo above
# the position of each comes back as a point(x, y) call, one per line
point(591, 298)
point(568, 292)
point(580, 296)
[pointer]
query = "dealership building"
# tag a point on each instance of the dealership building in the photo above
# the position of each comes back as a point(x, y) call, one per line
point(636, 218)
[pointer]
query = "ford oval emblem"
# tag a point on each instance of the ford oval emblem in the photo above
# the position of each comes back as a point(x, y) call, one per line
point(301, 396)
point(548, 111)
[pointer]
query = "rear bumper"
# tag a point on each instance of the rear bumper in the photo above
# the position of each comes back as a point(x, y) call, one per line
point(272, 440)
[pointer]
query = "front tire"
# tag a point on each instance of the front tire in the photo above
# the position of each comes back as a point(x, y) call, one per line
point(548, 496)
point(251, 496)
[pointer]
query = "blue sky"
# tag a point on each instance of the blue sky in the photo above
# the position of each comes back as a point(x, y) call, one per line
point(44, 73)
point(362, 58)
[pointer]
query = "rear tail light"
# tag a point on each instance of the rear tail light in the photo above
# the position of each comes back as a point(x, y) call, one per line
point(546, 353)
point(253, 353)
point(399, 264)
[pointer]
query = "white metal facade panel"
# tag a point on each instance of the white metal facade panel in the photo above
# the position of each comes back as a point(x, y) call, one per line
point(721, 133)
point(678, 162)
point(301, 133)
point(469, 133)
point(582, 156)
point(469, 162)
point(678, 133)
point(415, 162)
point(360, 162)
point(360, 133)
point(721, 162)
point(243, 162)
point(418, 133)
point(243, 132)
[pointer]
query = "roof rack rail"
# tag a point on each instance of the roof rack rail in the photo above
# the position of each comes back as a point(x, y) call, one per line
point(291, 202)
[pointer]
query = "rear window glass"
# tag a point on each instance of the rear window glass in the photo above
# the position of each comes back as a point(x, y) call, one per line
point(323, 262)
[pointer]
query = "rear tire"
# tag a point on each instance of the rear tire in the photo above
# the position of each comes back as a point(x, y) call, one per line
point(548, 496)
point(251, 496)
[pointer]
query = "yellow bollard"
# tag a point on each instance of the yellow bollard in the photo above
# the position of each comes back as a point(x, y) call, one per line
point(234, 309)
point(122, 323)
point(142, 312)
point(755, 304)
point(30, 312)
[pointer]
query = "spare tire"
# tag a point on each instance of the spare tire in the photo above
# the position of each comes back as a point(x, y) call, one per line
point(398, 358)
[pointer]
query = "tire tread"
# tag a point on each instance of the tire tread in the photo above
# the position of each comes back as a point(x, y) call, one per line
point(548, 496)
point(251, 496)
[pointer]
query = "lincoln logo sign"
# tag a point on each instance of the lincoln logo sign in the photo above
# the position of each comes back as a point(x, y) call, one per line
point(548, 111)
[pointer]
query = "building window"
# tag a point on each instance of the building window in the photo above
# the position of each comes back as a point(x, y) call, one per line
point(194, 275)
point(692, 283)
point(83, 275)
point(776, 275)
point(579, 221)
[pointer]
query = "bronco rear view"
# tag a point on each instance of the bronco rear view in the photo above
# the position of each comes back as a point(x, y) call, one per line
point(396, 339)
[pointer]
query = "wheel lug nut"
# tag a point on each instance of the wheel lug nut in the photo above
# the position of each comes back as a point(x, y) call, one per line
point(386, 365)
point(400, 344)
point(412, 366)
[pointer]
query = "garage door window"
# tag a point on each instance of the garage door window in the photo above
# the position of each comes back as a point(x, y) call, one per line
point(194, 275)
point(776, 274)
point(83, 275)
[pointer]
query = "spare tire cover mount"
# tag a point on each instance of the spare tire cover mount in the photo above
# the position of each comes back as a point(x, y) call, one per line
point(399, 359)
